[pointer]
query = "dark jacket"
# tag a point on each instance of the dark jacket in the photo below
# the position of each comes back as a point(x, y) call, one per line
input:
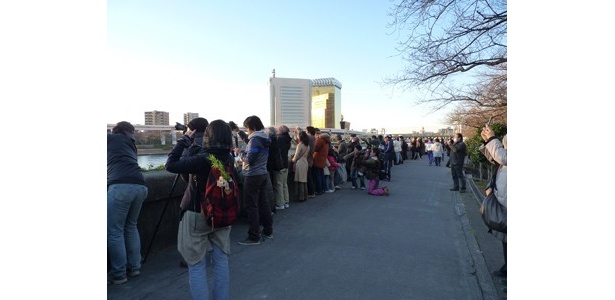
point(284, 141)
point(122, 163)
point(274, 160)
point(257, 153)
point(458, 153)
point(198, 166)
point(389, 150)
point(342, 150)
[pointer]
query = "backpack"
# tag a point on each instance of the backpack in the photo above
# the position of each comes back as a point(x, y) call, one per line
point(220, 204)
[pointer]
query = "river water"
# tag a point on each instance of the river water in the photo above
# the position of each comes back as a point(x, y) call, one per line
point(154, 160)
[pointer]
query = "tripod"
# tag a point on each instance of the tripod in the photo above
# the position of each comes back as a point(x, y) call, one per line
point(160, 219)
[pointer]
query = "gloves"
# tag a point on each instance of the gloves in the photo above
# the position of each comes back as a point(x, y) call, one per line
point(184, 141)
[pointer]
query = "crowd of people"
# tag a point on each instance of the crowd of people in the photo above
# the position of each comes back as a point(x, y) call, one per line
point(320, 164)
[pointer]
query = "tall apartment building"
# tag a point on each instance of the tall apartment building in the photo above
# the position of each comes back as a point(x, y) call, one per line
point(326, 103)
point(189, 116)
point(156, 118)
point(303, 102)
point(290, 100)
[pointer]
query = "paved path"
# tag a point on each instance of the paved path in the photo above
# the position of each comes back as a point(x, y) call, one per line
point(415, 244)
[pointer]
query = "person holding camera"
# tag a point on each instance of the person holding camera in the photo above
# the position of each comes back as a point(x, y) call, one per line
point(496, 153)
point(458, 156)
point(255, 181)
point(354, 158)
point(126, 191)
point(195, 238)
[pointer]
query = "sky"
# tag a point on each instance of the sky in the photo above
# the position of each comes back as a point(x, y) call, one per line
point(215, 58)
point(59, 83)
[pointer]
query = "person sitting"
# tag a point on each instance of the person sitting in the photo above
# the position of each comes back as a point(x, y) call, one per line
point(371, 167)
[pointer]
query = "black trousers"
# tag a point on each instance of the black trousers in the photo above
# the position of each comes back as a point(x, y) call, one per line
point(457, 172)
point(258, 209)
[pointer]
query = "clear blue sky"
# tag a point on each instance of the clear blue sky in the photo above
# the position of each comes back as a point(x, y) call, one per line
point(215, 58)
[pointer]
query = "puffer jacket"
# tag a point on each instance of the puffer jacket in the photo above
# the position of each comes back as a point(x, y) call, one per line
point(257, 153)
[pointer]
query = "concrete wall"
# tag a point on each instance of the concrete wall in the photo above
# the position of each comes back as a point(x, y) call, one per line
point(159, 185)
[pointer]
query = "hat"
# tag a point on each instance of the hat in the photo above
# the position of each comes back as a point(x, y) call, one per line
point(388, 136)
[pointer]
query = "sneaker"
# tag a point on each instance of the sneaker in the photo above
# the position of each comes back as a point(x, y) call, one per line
point(117, 280)
point(280, 207)
point(286, 205)
point(329, 191)
point(248, 242)
point(362, 188)
point(311, 196)
point(353, 188)
point(360, 174)
point(337, 187)
point(454, 189)
point(134, 273)
point(462, 190)
point(269, 236)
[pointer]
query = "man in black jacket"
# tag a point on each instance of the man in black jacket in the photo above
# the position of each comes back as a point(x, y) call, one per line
point(126, 191)
point(458, 156)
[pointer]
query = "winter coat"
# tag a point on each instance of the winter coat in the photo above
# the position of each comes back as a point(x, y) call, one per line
point(458, 153)
point(494, 152)
point(389, 151)
point(284, 141)
point(302, 152)
point(197, 165)
point(122, 163)
point(257, 153)
point(321, 151)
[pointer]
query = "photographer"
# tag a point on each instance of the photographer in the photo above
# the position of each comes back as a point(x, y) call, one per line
point(496, 152)
point(354, 158)
point(198, 126)
point(126, 191)
point(195, 237)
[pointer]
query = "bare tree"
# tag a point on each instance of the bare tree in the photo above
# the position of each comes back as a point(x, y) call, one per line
point(449, 47)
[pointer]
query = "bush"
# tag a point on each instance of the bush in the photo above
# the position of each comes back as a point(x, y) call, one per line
point(476, 141)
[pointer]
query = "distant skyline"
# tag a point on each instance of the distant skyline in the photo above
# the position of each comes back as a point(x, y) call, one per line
point(215, 59)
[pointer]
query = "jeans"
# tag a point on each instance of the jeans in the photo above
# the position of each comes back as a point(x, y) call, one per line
point(354, 174)
point(329, 182)
point(197, 276)
point(319, 180)
point(388, 163)
point(257, 205)
point(430, 157)
point(124, 203)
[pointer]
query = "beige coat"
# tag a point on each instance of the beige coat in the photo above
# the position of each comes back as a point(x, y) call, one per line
point(301, 162)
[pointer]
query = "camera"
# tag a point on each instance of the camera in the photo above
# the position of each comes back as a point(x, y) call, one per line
point(180, 126)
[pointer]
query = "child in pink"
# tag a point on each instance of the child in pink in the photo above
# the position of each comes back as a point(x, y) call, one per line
point(332, 165)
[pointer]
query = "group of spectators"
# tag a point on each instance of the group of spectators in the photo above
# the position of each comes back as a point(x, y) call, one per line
point(319, 164)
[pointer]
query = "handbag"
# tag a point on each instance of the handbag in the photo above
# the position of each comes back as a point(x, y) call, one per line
point(493, 213)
